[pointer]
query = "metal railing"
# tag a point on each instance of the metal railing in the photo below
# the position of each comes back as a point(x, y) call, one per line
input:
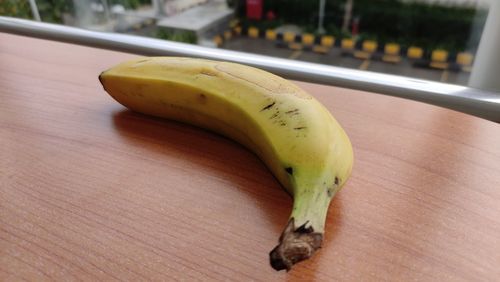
point(461, 98)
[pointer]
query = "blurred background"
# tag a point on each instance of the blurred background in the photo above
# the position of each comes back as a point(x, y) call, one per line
point(429, 39)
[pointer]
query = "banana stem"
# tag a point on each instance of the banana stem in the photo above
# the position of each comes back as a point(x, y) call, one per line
point(296, 244)
point(303, 234)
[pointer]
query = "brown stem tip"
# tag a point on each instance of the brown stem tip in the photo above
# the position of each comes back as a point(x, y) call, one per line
point(295, 245)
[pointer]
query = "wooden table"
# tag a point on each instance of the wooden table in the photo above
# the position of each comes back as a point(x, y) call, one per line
point(91, 191)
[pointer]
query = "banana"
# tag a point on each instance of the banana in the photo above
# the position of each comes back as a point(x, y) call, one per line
point(290, 131)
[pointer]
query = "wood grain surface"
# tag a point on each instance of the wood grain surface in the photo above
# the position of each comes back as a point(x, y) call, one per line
point(91, 191)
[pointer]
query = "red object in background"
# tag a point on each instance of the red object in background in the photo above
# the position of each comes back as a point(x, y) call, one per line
point(270, 15)
point(254, 9)
point(355, 27)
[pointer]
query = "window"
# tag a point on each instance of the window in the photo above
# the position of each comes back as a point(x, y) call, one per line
point(426, 39)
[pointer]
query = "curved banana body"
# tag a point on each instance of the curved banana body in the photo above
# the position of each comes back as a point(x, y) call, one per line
point(291, 132)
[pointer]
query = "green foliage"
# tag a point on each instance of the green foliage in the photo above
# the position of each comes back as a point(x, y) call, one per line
point(263, 25)
point(49, 10)
point(130, 4)
point(15, 8)
point(297, 12)
point(406, 22)
point(179, 36)
point(231, 3)
point(336, 31)
point(53, 10)
point(427, 25)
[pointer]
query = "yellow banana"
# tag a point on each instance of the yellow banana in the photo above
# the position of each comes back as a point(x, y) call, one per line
point(290, 131)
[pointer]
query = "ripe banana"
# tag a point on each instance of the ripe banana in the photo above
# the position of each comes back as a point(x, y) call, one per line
point(291, 132)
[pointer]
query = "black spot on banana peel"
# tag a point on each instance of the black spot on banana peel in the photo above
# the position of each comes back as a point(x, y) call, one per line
point(268, 106)
point(275, 115)
point(201, 98)
point(295, 245)
point(330, 192)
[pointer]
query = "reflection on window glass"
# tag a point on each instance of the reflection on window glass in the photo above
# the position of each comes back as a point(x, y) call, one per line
point(429, 39)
